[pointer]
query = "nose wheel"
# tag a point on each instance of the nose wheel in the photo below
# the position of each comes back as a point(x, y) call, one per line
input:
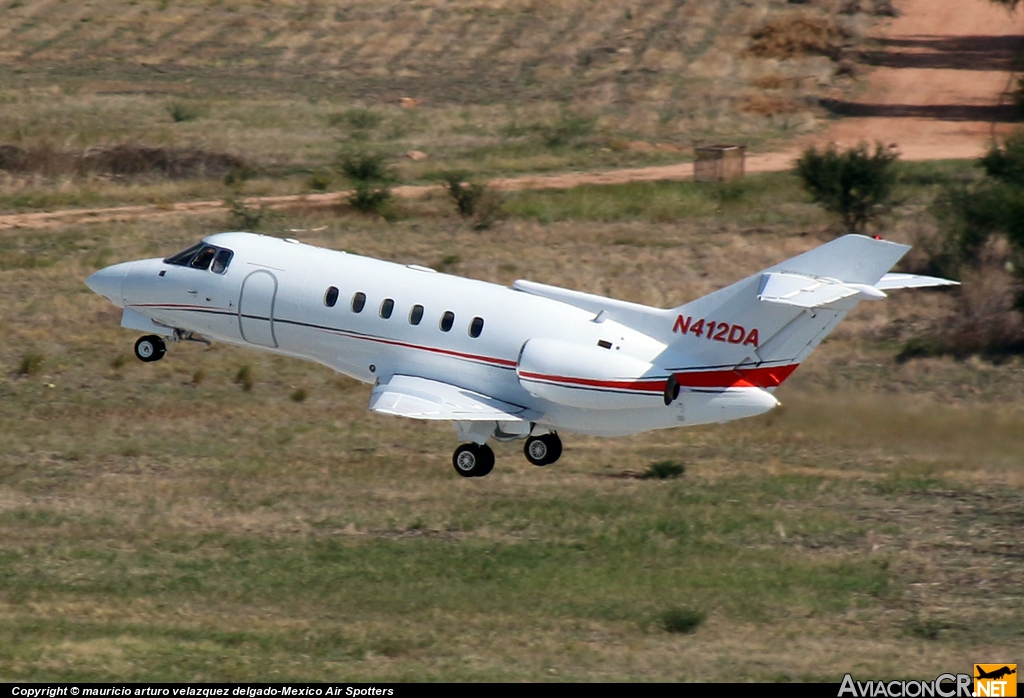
point(150, 348)
point(473, 460)
point(543, 450)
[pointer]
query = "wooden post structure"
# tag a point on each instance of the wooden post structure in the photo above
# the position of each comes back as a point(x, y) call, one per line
point(719, 163)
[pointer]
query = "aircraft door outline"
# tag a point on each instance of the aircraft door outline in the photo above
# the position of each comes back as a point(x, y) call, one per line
point(256, 308)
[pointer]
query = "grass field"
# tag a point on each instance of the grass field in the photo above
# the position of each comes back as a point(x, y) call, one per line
point(500, 87)
point(161, 522)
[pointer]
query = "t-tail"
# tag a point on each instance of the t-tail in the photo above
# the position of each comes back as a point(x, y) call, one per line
point(756, 332)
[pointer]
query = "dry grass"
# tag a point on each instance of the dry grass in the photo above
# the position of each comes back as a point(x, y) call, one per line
point(770, 105)
point(282, 83)
point(797, 34)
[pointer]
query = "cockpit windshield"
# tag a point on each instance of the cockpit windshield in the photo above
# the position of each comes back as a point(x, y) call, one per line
point(203, 257)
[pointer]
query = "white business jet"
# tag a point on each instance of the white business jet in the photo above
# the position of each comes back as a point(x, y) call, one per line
point(505, 363)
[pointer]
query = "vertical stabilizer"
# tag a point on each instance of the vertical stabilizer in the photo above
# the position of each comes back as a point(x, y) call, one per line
point(758, 330)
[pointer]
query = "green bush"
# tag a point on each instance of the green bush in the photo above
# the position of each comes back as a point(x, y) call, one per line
point(663, 470)
point(465, 194)
point(242, 217)
point(1006, 163)
point(370, 178)
point(681, 620)
point(319, 181)
point(570, 130)
point(970, 214)
point(359, 119)
point(854, 184)
point(180, 111)
point(244, 378)
point(31, 364)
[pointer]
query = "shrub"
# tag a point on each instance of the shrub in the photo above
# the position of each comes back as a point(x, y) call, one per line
point(180, 111)
point(244, 378)
point(681, 620)
point(299, 395)
point(360, 119)
point(1006, 163)
point(319, 181)
point(570, 130)
point(371, 180)
point(238, 175)
point(663, 470)
point(244, 217)
point(465, 194)
point(855, 184)
point(31, 364)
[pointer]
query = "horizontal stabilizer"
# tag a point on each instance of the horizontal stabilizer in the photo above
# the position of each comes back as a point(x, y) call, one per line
point(809, 292)
point(893, 281)
point(421, 398)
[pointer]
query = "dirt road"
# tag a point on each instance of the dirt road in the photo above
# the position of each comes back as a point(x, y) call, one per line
point(935, 90)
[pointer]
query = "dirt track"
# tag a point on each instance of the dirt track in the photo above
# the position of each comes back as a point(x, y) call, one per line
point(934, 91)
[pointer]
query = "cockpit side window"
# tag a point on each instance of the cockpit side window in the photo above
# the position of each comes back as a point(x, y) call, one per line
point(203, 259)
point(183, 258)
point(221, 261)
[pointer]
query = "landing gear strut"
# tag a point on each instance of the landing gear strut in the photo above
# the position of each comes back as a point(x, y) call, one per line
point(150, 348)
point(473, 460)
point(543, 450)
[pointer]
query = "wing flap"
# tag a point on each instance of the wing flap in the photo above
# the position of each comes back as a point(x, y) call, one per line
point(422, 398)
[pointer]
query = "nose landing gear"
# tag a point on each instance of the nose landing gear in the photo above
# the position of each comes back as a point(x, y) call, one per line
point(544, 449)
point(473, 460)
point(150, 348)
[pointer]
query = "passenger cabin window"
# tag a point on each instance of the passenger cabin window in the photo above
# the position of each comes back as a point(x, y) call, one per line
point(476, 327)
point(358, 302)
point(204, 258)
point(331, 297)
point(221, 261)
point(447, 320)
point(416, 315)
point(386, 308)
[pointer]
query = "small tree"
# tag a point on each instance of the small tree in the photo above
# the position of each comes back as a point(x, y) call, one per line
point(371, 180)
point(855, 184)
point(464, 194)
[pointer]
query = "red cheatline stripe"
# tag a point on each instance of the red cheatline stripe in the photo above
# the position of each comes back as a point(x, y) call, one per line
point(739, 378)
point(446, 352)
point(653, 386)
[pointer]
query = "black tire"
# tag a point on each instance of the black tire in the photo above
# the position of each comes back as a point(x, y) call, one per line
point(473, 460)
point(543, 450)
point(150, 348)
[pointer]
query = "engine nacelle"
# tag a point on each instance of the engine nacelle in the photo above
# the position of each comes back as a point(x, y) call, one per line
point(590, 377)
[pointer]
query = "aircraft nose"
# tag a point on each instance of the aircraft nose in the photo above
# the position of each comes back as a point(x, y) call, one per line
point(109, 283)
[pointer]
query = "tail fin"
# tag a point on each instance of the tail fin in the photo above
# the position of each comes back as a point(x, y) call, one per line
point(764, 326)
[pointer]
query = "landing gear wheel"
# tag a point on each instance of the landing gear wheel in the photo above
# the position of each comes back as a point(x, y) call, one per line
point(543, 450)
point(150, 348)
point(473, 460)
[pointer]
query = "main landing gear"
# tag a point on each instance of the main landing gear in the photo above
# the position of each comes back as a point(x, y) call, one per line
point(473, 460)
point(476, 460)
point(543, 450)
point(150, 348)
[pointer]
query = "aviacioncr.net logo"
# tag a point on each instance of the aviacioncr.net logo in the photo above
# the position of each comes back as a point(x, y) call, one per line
point(943, 686)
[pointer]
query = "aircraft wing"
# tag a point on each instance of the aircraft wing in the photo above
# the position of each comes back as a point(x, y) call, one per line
point(421, 398)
